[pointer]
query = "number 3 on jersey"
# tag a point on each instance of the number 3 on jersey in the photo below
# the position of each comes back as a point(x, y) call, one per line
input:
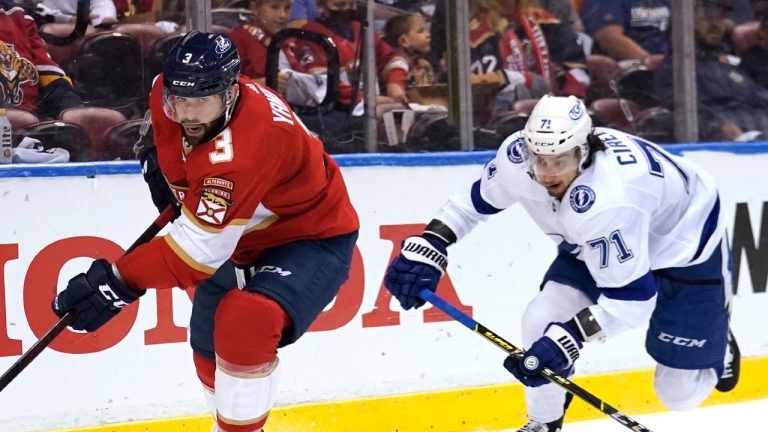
point(604, 244)
point(223, 152)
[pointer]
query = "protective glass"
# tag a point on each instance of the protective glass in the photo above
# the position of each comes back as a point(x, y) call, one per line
point(195, 110)
point(554, 165)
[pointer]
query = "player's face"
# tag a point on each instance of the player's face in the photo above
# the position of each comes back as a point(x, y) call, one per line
point(197, 115)
point(273, 14)
point(556, 172)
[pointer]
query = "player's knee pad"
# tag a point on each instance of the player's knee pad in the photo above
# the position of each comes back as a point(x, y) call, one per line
point(557, 302)
point(206, 372)
point(682, 389)
point(248, 328)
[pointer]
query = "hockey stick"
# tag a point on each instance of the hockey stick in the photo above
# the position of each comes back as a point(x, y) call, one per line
point(547, 373)
point(162, 220)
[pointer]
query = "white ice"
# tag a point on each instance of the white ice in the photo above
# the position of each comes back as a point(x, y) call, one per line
point(728, 417)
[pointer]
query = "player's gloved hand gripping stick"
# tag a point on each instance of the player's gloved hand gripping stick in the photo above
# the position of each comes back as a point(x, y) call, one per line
point(547, 373)
point(162, 220)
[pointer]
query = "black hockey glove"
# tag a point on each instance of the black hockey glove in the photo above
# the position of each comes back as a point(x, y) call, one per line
point(161, 193)
point(95, 297)
point(421, 264)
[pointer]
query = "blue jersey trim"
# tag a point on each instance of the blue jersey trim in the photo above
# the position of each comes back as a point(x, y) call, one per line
point(482, 206)
point(641, 289)
point(347, 160)
point(709, 228)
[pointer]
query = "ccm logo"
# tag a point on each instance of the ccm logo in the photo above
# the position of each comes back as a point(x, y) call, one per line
point(686, 342)
point(183, 83)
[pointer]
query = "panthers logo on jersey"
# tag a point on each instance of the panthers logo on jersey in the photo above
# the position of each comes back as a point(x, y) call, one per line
point(14, 71)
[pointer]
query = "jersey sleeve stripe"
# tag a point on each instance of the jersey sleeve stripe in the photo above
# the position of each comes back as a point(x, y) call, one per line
point(179, 251)
point(481, 205)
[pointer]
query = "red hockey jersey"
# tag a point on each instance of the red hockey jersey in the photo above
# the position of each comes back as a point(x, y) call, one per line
point(262, 182)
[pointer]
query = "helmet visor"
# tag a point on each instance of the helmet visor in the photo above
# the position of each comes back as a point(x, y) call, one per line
point(554, 165)
point(195, 110)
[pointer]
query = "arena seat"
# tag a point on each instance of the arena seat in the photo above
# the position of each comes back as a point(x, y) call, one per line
point(20, 119)
point(108, 72)
point(61, 54)
point(157, 54)
point(57, 133)
point(146, 34)
point(603, 70)
point(96, 122)
point(122, 137)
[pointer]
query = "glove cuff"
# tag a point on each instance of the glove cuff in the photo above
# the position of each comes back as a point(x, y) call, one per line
point(565, 340)
point(426, 251)
point(123, 291)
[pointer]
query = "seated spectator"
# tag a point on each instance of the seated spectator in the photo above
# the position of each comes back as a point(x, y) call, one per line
point(527, 50)
point(302, 12)
point(628, 29)
point(409, 36)
point(731, 106)
point(564, 11)
point(755, 60)
point(252, 39)
point(29, 79)
point(102, 12)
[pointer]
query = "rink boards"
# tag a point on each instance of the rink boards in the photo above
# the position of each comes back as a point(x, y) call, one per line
point(365, 365)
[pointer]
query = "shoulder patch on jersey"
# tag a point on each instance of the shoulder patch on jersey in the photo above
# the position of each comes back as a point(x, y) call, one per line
point(516, 151)
point(212, 208)
point(582, 197)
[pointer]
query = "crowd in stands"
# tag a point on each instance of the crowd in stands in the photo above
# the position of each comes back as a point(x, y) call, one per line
point(79, 79)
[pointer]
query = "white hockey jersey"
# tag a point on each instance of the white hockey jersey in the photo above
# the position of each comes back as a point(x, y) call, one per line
point(636, 209)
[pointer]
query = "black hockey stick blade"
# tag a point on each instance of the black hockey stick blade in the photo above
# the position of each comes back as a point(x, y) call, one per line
point(166, 216)
point(547, 373)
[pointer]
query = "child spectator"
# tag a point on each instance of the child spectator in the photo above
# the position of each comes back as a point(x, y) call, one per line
point(409, 36)
point(252, 39)
point(29, 79)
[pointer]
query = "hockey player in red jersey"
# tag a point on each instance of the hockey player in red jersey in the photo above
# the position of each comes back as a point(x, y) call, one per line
point(257, 190)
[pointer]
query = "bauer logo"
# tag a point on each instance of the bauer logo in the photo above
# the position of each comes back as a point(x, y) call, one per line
point(582, 198)
point(516, 152)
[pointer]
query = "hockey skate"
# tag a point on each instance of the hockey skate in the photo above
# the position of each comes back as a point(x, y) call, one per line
point(553, 426)
point(534, 426)
point(732, 367)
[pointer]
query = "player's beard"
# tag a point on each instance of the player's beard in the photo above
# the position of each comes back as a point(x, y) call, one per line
point(199, 133)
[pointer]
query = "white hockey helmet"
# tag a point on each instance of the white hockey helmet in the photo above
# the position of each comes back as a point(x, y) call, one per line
point(557, 125)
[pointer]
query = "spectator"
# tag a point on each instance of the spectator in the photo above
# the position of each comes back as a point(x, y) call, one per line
point(731, 106)
point(102, 12)
point(409, 36)
point(532, 52)
point(755, 60)
point(29, 79)
point(563, 10)
point(628, 29)
point(302, 12)
point(252, 39)
point(341, 127)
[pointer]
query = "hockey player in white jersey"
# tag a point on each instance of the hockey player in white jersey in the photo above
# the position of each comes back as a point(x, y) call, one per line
point(641, 240)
